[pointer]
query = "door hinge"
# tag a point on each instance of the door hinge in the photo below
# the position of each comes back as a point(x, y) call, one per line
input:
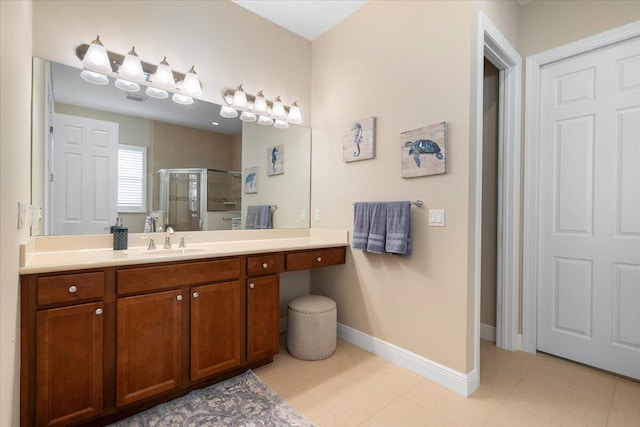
point(51, 130)
point(50, 177)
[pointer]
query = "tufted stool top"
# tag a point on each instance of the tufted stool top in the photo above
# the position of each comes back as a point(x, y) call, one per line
point(312, 304)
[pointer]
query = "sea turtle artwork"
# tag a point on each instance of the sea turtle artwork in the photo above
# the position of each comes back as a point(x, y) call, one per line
point(423, 146)
point(358, 141)
point(357, 138)
point(424, 151)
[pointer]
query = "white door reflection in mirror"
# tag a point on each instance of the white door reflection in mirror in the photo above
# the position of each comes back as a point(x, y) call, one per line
point(84, 175)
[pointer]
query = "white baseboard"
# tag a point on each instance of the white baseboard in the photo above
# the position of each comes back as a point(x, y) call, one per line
point(283, 324)
point(488, 332)
point(518, 342)
point(463, 384)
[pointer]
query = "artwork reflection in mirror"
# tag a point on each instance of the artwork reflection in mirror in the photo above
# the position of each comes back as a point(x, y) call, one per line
point(100, 153)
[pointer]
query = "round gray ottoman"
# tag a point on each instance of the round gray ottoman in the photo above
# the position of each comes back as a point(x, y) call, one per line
point(312, 327)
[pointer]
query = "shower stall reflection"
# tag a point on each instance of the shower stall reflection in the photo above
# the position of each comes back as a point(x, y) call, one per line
point(194, 199)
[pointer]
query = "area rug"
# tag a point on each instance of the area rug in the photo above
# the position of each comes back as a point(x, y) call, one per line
point(242, 401)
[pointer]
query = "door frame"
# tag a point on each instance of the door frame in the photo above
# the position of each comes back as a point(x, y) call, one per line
point(493, 45)
point(534, 66)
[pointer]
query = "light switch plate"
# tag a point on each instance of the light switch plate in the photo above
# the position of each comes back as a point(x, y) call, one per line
point(303, 214)
point(436, 217)
point(22, 214)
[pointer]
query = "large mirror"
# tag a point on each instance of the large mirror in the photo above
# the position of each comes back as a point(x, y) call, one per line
point(99, 153)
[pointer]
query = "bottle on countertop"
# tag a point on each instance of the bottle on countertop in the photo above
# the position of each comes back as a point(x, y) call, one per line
point(120, 236)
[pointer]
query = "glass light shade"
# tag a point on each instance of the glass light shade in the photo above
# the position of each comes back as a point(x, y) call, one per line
point(93, 77)
point(228, 112)
point(131, 68)
point(163, 77)
point(278, 112)
point(239, 101)
point(156, 93)
point(96, 58)
point(182, 99)
point(281, 124)
point(248, 116)
point(294, 116)
point(191, 84)
point(260, 105)
point(265, 120)
point(127, 86)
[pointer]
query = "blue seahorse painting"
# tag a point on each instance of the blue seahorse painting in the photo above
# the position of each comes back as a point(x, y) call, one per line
point(274, 158)
point(423, 146)
point(357, 138)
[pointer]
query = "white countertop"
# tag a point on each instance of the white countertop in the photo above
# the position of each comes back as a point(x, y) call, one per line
point(53, 254)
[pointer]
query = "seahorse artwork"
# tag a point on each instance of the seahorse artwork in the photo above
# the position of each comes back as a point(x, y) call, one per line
point(357, 138)
point(274, 157)
point(423, 146)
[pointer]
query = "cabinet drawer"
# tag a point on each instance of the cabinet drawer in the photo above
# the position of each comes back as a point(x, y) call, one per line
point(262, 265)
point(315, 258)
point(171, 276)
point(70, 287)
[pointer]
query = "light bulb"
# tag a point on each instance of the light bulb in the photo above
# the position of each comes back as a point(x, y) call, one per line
point(281, 124)
point(260, 105)
point(228, 112)
point(96, 58)
point(93, 77)
point(156, 93)
point(131, 68)
point(294, 116)
point(240, 100)
point(163, 77)
point(248, 116)
point(265, 120)
point(191, 83)
point(127, 86)
point(278, 112)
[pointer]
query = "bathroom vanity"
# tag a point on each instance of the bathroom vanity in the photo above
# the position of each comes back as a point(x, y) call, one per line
point(117, 333)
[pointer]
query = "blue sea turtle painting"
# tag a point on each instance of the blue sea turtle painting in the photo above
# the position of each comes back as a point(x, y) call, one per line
point(423, 146)
point(357, 138)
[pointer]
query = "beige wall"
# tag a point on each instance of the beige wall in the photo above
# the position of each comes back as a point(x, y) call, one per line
point(15, 136)
point(489, 194)
point(546, 24)
point(227, 44)
point(38, 141)
point(290, 190)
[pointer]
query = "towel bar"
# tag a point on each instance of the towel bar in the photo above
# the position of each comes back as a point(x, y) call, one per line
point(417, 203)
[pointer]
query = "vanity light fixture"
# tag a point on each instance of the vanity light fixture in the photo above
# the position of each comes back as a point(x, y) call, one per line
point(258, 108)
point(131, 73)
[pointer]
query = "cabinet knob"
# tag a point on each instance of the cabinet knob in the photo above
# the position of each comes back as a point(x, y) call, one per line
point(195, 295)
point(73, 289)
point(265, 265)
point(98, 311)
point(319, 259)
point(252, 285)
point(179, 297)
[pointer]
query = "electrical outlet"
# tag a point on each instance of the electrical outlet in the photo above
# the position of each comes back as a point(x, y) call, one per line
point(316, 215)
point(436, 217)
point(22, 214)
point(303, 214)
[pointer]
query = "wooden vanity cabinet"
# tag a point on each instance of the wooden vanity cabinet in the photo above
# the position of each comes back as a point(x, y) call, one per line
point(216, 329)
point(263, 299)
point(149, 345)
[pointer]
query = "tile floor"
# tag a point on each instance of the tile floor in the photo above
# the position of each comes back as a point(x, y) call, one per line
point(356, 388)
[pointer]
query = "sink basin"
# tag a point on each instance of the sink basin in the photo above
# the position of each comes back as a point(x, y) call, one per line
point(169, 252)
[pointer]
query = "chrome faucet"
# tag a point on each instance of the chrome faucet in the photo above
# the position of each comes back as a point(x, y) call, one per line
point(167, 240)
point(182, 245)
point(152, 245)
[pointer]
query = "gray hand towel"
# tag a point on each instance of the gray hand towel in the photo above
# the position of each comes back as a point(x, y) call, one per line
point(361, 214)
point(377, 227)
point(252, 217)
point(398, 228)
point(264, 217)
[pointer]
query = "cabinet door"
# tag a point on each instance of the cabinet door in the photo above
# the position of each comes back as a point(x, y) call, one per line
point(262, 318)
point(216, 328)
point(149, 345)
point(69, 364)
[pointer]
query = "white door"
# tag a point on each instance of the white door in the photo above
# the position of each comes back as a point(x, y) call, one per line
point(589, 209)
point(85, 175)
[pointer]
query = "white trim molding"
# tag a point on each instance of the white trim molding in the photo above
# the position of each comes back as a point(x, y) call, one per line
point(530, 249)
point(496, 48)
point(487, 332)
point(458, 382)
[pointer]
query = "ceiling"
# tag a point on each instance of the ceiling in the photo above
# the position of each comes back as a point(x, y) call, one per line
point(307, 18)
